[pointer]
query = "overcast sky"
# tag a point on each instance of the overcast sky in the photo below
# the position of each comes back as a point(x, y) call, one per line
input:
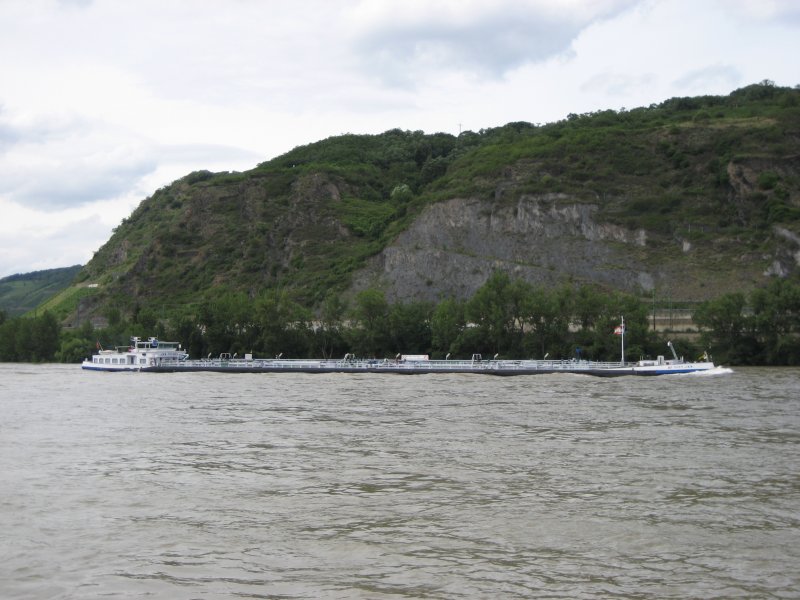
point(104, 101)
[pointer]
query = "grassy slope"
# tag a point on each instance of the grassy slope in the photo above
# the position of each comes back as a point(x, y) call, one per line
point(24, 292)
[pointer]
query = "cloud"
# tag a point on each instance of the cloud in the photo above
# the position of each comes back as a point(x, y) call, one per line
point(73, 183)
point(32, 239)
point(208, 154)
point(56, 162)
point(8, 137)
point(777, 11)
point(405, 40)
point(54, 169)
point(715, 77)
point(617, 84)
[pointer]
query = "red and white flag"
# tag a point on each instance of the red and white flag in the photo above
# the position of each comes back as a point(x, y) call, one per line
point(619, 330)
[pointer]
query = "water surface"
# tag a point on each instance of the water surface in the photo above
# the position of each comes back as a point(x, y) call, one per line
point(210, 485)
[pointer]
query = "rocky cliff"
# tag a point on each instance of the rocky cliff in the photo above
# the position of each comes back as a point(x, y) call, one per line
point(453, 247)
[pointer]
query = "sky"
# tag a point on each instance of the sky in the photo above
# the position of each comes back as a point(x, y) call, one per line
point(102, 102)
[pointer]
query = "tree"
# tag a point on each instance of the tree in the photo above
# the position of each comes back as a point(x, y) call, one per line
point(776, 322)
point(587, 305)
point(8, 335)
point(76, 344)
point(222, 320)
point(547, 317)
point(284, 324)
point(727, 328)
point(410, 327)
point(447, 324)
point(401, 194)
point(45, 337)
point(189, 334)
point(328, 334)
point(497, 309)
point(30, 339)
point(370, 313)
point(485, 311)
point(145, 320)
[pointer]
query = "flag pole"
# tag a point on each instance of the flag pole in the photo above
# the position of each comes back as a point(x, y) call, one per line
point(623, 340)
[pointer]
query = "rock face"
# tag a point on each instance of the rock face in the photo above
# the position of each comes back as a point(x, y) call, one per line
point(453, 247)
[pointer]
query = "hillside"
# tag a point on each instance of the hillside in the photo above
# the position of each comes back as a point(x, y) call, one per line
point(686, 199)
point(24, 292)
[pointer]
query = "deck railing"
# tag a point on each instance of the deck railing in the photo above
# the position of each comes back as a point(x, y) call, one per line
point(387, 364)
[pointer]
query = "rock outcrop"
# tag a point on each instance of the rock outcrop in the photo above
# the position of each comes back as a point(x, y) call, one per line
point(453, 246)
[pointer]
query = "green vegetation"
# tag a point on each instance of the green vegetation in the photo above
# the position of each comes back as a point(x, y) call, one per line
point(760, 329)
point(304, 221)
point(33, 339)
point(263, 260)
point(65, 303)
point(365, 218)
point(505, 317)
point(23, 293)
point(716, 170)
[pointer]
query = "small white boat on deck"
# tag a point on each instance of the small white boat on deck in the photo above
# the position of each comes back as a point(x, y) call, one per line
point(139, 355)
point(663, 366)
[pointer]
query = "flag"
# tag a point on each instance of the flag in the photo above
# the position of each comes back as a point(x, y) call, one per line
point(619, 330)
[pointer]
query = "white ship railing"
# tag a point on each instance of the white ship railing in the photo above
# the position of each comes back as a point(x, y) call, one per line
point(389, 364)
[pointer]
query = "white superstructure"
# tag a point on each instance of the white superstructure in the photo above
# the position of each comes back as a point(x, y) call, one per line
point(140, 354)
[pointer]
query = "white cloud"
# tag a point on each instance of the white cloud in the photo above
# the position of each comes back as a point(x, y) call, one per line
point(32, 239)
point(70, 165)
point(765, 10)
point(714, 76)
point(403, 41)
point(104, 101)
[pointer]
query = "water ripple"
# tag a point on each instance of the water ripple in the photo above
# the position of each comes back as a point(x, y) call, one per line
point(368, 486)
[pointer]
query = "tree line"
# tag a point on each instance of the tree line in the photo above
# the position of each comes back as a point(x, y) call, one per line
point(760, 328)
point(506, 317)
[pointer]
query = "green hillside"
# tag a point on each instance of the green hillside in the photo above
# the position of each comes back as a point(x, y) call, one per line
point(22, 293)
point(718, 173)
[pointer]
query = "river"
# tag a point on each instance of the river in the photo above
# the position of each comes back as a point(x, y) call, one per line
point(212, 485)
